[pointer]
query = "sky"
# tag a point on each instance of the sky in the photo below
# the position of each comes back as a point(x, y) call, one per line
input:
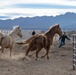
point(11, 9)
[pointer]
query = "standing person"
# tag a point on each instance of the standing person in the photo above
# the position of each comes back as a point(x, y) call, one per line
point(33, 33)
point(62, 39)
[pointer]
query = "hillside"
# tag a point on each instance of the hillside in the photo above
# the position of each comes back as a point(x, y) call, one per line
point(66, 21)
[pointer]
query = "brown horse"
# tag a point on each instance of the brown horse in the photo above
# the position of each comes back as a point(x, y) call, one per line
point(39, 41)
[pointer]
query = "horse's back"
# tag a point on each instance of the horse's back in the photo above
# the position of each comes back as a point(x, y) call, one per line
point(7, 40)
point(39, 40)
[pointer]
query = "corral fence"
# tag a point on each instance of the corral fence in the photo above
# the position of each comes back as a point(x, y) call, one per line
point(5, 31)
point(74, 51)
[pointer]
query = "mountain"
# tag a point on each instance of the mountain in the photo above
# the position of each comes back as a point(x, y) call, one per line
point(67, 21)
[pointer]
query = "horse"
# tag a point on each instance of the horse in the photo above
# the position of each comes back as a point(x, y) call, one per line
point(8, 40)
point(1, 37)
point(39, 41)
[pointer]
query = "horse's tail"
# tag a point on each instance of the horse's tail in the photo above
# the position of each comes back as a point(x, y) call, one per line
point(19, 43)
point(26, 41)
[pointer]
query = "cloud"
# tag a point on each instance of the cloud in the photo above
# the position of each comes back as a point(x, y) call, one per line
point(35, 12)
point(46, 6)
point(29, 8)
point(46, 2)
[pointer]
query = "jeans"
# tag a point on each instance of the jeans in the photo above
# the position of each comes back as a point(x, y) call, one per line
point(62, 43)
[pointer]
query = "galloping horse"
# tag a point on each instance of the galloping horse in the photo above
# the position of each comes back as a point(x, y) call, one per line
point(8, 40)
point(39, 41)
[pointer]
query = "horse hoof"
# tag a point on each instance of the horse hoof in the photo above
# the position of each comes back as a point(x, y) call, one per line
point(23, 58)
point(30, 55)
point(47, 57)
point(42, 56)
point(37, 59)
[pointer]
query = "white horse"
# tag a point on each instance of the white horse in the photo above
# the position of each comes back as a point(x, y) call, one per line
point(1, 37)
point(8, 40)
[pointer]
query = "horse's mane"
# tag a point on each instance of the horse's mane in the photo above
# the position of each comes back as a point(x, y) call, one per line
point(15, 26)
point(52, 28)
point(56, 25)
point(1, 31)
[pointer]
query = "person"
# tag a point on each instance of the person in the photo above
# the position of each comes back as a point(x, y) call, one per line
point(33, 33)
point(62, 39)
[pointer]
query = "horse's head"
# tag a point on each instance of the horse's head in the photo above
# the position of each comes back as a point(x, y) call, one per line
point(18, 31)
point(58, 30)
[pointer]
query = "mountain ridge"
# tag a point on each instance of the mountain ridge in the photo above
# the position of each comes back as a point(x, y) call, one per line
point(67, 21)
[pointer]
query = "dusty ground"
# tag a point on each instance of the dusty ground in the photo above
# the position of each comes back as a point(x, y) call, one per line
point(60, 62)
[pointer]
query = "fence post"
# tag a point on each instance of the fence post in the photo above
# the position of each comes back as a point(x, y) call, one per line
point(74, 51)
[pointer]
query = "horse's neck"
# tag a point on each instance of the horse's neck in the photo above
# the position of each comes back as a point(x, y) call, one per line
point(50, 34)
point(12, 33)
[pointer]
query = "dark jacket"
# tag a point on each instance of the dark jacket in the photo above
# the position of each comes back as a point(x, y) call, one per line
point(62, 38)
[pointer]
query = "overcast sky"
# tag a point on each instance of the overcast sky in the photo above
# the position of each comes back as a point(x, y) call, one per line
point(10, 9)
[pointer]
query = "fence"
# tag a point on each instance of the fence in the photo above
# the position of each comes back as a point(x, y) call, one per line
point(74, 51)
point(5, 31)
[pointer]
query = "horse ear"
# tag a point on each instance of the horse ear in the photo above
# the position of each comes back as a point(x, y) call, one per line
point(58, 25)
point(18, 26)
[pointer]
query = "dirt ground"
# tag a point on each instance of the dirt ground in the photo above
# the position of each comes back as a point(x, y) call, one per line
point(60, 62)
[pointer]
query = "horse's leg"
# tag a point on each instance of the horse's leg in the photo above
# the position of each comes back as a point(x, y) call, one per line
point(28, 50)
point(26, 54)
point(10, 51)
point(2, 49)
point(32, 53)
point(47, 51)
point(37, 51)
